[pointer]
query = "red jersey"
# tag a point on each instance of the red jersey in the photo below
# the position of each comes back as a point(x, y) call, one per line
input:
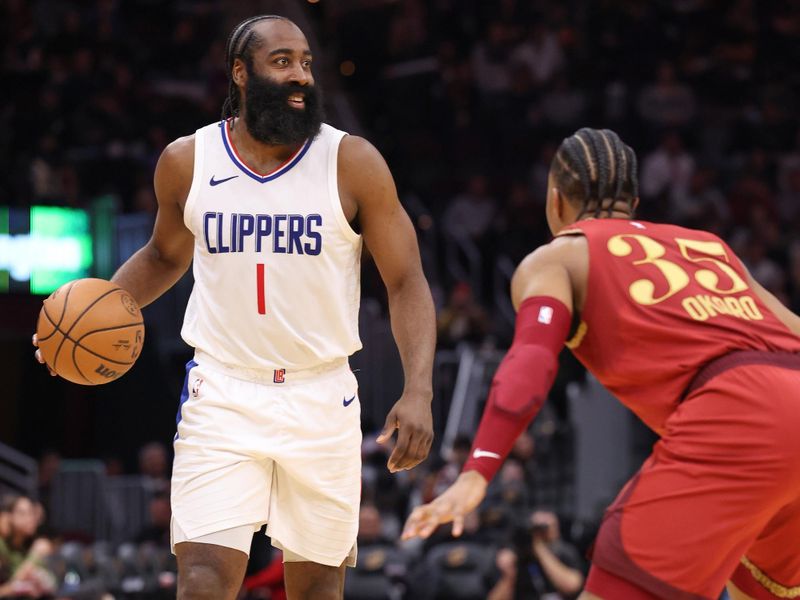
point(661, 302)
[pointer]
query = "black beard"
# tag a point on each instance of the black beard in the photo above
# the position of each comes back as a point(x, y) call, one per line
point(271, 120)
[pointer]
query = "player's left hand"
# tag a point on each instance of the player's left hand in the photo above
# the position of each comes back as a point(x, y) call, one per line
point(411, 416)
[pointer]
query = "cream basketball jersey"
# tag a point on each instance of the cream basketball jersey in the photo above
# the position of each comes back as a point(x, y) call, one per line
point(276, 264)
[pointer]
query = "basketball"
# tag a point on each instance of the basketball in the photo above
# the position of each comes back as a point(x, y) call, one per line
point(90, 331)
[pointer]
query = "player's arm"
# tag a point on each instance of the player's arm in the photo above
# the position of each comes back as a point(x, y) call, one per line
point(391, 239)
point(541, 291)
point(155, 268)
point(791, 320)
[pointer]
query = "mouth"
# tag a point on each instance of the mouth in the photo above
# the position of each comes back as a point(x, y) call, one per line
point(297, 101)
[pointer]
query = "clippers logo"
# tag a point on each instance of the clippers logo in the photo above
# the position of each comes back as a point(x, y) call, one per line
point(280, 376)
point(196, 387)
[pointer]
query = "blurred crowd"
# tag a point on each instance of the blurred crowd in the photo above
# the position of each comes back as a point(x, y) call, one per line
point(469, 99)
point(516, 545)
point(99, 89)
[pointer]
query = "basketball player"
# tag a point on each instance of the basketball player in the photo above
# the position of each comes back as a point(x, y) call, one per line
point(273, 205)
point(670, 321)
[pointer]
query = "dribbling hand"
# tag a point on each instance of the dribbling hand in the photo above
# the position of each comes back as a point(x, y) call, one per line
point(38, 355)
point(454, 504)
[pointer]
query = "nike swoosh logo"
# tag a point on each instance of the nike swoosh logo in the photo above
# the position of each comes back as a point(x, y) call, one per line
point(214, 182)
point(478, 453)
point(347, 402)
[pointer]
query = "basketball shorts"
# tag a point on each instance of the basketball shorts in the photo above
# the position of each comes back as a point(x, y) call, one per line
point(718, 499)
point(279, 448)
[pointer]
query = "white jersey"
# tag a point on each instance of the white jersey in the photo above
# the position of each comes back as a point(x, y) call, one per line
point(276, 264)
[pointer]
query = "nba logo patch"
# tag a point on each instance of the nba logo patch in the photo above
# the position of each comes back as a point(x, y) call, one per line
point(545, 315)
point(280, 376)
point(196, 387)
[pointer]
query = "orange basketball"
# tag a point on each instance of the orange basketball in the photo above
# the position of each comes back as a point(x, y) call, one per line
point(90, 331)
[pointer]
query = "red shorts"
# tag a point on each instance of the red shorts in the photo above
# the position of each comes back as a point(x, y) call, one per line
point(718, 499)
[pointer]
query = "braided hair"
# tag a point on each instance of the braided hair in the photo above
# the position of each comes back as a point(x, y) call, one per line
point(596, 166)
point(241, 43)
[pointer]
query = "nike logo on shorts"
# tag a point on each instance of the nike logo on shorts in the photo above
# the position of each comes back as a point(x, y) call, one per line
point(478, 453)
point(212, 182)
point(347, 402)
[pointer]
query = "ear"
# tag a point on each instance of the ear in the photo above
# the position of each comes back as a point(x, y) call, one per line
point(239, 72)
point(558, 203)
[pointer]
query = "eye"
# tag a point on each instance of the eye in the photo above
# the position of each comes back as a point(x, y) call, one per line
point(307, 64)
point(282, 61)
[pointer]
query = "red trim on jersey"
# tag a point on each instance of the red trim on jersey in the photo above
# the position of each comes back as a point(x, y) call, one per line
point(248, 167)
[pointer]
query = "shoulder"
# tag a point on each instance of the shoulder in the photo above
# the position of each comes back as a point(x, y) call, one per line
point(179, 153)
point(363, 172)
point(563, 250)
point(563, 260)
point(175, 168)
point(355, 150)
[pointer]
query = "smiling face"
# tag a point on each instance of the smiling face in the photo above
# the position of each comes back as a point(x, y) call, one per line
point(282, 105)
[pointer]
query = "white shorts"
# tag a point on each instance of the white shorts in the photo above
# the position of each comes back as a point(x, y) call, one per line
point(250, 451)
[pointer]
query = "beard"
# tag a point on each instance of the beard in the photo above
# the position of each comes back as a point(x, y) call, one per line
point(269, 117)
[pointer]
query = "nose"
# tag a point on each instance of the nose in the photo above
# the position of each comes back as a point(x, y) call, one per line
point(300, 75)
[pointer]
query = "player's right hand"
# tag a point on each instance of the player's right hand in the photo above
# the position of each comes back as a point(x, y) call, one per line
point(38, 355)
point(454, 504)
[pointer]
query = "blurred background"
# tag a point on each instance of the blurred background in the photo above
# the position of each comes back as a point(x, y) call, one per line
point(467, 100)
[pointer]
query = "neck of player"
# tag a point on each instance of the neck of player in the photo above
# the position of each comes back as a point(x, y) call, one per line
point(620, 209)
point(258, 155)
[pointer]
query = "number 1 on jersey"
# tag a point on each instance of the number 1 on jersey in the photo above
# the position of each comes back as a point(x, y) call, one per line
point(260, 294)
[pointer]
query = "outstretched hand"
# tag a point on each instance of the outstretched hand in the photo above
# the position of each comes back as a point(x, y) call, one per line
point(38, 354)
point(454, 504)
point(411, 416)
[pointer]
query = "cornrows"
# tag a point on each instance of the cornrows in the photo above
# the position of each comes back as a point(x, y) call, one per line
point(239, 46)
point(595, 166)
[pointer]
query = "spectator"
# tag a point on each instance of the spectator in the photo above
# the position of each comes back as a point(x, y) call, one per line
point(154, 465)
point(667, 171)
point(463, 319)
point(564, 105)
point(521, 216)
point(469, 215)
point(158, 529)
point(370, 526)
point(540, 53)
point(788, 201)
point(49, 464)
point(22, 555)
point(703, 204)
point(471, 567)
point(408, 32)
point(458, 455)
point(667, 103)
point(490, 61)
point(547, 566)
